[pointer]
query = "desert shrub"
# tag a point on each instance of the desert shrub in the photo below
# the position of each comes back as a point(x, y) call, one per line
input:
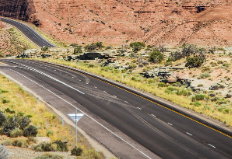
point(161, 84)
point(94, 46)
point(9, 111)
point(200, 85)
point(2, 118)
point(205, 69)
point(10, 124)
point(136, 46)
point(5, 101)
point(168, 91)
point(195, 61)
point(45, 48)
point(189, 49)
point(90, 47)
point(108, 47)
point(31, 140)
point(174, 56)
point(24, 122)
point(200, 96)
point(50, 132)
point(49, 156)
point(93, 154)
point(196, 104)
point(204, 75)
point(77, 50)
point(7, 142)
point(20, 143)
point(44, 146)
point(61, 146)
point(183, 92)
point(77, 151)
point(16, 133)
point(156, 56)
point(3, 152)
point(91, 65)
point(30, 131)
point(172, 88)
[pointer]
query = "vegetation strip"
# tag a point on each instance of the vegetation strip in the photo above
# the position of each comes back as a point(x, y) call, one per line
point(160, 103)
point(19, 109)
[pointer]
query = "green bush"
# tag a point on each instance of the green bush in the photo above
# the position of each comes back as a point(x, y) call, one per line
point(16, 133)
point(76, 151)
point(30, 131)
point(24, 122)
point(195, 61)
point(49, 156)
point(61, 146)
point(156, 57)
point(5, 101)
point(10, 124)
point(50, 132)
point(44, 146)
point(196, 104)
point(2, 118)
point(168, 91)
point(200, 97)
point(91, 153)
point(20, 143)
point(136, 46)
point(172, 88)
point(183, 93)
point(77, 50)
point(161, 84)
point(108, 47)
point(204, 75)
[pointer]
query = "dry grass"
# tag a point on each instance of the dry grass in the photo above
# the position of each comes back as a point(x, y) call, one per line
point(144, 84)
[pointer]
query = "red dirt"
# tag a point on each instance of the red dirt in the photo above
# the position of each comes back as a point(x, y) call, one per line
point(155, 22)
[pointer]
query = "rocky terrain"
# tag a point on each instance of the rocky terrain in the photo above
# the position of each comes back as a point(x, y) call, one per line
point(115, 22)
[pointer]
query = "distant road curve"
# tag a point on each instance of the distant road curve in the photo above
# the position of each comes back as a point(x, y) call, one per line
point(29, 32)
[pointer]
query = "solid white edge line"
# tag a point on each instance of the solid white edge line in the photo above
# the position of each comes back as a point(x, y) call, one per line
point(86, 115)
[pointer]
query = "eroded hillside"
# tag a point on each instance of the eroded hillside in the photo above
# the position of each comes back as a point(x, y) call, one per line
point(172, 23)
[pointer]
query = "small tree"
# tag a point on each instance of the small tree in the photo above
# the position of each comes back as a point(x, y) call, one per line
point(136, 46)
point(99, 45)
point(77, 50)
point(90, 47)
point(30, 131)
point(195, 61)
point(156, 57)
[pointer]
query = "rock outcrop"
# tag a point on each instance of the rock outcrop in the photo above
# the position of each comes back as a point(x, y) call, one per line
point(156, 22)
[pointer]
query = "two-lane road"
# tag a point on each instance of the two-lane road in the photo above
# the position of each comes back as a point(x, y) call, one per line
point(28, 32)
point(162, 131)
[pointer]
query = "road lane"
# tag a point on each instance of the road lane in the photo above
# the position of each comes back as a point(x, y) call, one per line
point(155, 134)
point(29, 32)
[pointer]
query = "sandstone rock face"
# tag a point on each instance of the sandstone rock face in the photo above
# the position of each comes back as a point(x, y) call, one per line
point(156, 22)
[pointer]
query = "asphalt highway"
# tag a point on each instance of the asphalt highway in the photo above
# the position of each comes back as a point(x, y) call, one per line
point(29, 32)
point(162, 131)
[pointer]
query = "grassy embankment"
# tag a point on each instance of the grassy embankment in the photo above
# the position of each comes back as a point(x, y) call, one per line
point(175, 94)
point(15, 98)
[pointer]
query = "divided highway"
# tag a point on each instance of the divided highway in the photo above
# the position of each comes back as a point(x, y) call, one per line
point(29, 32)
point(162, 131)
